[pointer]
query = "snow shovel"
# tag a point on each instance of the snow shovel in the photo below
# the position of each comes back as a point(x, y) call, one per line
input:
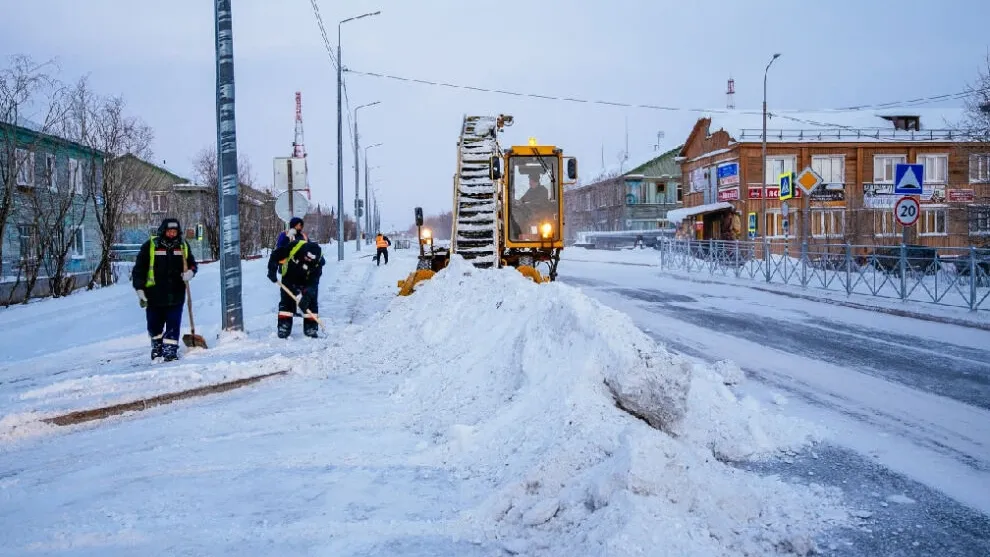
point(296, 298)
point(191, 339)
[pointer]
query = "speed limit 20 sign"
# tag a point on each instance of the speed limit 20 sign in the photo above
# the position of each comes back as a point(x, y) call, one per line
point(906, 211)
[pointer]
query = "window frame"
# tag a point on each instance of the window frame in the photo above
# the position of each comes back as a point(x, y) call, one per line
point(893, 168)
point(938, 180)
point(821, 214)
point(939, 214)
point(771, 168)
point(842, 167)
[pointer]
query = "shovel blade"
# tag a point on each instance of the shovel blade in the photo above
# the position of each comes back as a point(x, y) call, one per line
point(194, 341)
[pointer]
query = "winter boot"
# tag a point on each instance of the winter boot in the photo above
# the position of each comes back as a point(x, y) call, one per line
point(284, 327)
point(171, 352)
point(156, 348)
point(310, 328)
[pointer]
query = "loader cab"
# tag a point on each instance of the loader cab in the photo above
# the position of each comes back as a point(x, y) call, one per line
point(533, 197)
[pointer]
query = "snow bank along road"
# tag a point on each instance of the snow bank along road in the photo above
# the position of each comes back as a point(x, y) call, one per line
point(475, 417)
point(908, 400)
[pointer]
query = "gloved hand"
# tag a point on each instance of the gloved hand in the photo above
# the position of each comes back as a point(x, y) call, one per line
point(142, 299)
point(305, 302)
point(291, 233)
point(188, 275)
point(272, 277)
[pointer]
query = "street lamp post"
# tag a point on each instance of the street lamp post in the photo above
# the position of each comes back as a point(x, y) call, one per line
point(763, 187)
point(357, 192)
point(340, 140)
point(367, 215)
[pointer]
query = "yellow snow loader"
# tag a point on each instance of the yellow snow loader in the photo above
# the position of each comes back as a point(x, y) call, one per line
point(508, 205)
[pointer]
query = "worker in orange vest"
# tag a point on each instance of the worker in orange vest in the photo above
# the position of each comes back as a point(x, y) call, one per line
point(382, 243)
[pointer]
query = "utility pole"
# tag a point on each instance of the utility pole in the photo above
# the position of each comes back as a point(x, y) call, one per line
point(367, 208)
point(340, 140)
point(358, 211)
point(763, 165)
point(229, 220)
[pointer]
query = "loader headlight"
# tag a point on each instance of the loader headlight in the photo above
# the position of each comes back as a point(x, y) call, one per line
point(546, 230)
point(426, 233)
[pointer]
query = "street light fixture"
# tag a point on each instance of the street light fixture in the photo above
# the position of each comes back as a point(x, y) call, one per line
point(763, 188)
point(367, 216)
point(357, 192)
point(340, 140)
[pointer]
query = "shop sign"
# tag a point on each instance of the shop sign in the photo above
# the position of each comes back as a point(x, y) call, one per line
point(728, 174)
point(962, 196)
point(731, 194)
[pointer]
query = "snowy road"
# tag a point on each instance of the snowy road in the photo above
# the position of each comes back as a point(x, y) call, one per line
point(902, 396)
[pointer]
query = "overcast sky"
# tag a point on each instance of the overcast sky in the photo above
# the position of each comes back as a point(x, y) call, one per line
point(160, 57)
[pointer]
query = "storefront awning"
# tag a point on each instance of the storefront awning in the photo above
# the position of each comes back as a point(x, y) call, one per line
point(677, 215)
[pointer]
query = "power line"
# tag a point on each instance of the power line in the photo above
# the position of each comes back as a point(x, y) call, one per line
point(323, 31)
point(893, 104)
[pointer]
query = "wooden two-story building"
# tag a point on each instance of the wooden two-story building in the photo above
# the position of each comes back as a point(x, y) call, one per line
point(855, 153)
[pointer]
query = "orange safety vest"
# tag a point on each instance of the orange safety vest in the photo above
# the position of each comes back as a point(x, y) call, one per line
point(380, 241)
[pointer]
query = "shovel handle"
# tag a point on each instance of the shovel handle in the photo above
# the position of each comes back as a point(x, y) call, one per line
point(192, 324)
point(293, 296)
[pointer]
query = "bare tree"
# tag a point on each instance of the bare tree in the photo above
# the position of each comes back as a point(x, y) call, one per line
point(30, 98)
point(101, 123)
point(975, 128)
point(59, 205)
point(205, 173)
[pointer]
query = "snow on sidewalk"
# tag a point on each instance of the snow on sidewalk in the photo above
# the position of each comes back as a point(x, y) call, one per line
point(471, 418)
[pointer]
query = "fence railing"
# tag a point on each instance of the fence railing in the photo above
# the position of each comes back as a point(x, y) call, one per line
point(958, 277)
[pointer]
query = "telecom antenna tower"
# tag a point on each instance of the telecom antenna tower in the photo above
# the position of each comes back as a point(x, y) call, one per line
point(298, 146)
point(730, 95)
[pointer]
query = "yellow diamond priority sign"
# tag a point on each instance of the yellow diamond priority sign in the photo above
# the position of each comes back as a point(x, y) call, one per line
point(808, 180)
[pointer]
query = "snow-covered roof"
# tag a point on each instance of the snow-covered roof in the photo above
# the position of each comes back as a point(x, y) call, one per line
point(675, 216)
point(936, 124)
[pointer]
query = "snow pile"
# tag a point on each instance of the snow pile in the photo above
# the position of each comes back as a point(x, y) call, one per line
point(101, 390)
point(514, 385)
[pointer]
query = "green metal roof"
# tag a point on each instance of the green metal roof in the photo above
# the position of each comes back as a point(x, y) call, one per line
point(663, 165)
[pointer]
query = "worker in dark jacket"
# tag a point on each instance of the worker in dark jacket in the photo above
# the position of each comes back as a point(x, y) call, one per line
point(302, 264)
point(163, 267)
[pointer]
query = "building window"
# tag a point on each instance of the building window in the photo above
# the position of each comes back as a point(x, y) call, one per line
point(831, 168)
point(27, 237)
point(159, 202)
point(828, 223)
point(884, 166)
point(25, 167)
point(635, 194)
point(936, 168)
point(680, 192)
point(51, 173)
point(779, 165)
point(75, 176)
point(931, 222)
point(884, 223)
point(978, 218)
point(77, 250)
point(979, 169)
point(775, 223)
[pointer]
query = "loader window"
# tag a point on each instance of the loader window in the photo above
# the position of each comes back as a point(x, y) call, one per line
point(532, 189)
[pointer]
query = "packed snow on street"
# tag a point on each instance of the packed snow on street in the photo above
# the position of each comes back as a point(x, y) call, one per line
point(603, 414)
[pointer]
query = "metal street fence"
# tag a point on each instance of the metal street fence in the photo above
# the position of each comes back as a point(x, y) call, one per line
point(958, 277)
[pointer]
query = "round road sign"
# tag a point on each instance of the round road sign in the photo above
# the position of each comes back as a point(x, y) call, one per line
point(906, 211)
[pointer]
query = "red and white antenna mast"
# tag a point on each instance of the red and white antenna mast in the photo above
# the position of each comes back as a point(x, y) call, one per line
point(298, 147)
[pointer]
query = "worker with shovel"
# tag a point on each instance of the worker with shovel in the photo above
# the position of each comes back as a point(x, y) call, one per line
point(162, 270)
point(301, 263)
